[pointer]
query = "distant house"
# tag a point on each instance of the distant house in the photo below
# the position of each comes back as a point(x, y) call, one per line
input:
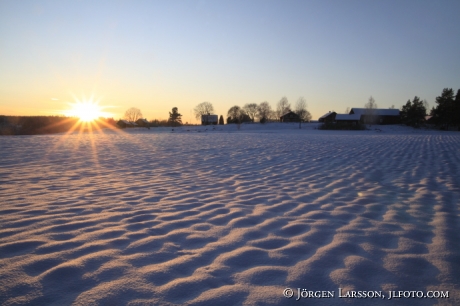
point(142, 122)
point(290, 116)
point(124, 124)
point(377, 115)
point(348, 119)
point(209, 119)
point(328, 117)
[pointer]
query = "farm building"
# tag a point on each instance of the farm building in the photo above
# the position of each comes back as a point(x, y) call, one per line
point(377, 116)
point(348, 119)
point(142, 122)
point(290, 117)
point(328, 117)
point(124, 124)
point(209, 119)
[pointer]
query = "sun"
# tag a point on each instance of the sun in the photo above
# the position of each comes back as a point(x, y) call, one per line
point(85, 110)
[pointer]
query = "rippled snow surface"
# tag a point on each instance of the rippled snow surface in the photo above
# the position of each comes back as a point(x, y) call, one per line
point(227, 218)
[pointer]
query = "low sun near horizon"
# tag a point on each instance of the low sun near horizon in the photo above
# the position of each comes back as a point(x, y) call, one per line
point(86, 110)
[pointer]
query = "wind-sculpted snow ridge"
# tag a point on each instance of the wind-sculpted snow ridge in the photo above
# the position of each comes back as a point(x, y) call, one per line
point(217, 218)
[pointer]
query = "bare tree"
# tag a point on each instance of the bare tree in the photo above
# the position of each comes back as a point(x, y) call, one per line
point(273, 116)
point(282, 107)
point(133, 114)
point(301, 110)
point(371, 110)
point(236, 115)
point(204, 108)
point(426, 105)
point(347, 110)
point(263, 111)
point(251, 110)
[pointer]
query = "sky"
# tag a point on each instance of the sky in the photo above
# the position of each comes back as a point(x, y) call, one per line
point(156, 55)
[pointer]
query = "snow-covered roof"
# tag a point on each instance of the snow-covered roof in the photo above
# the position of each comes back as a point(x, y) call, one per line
point(325, 115)
point(376, 111)
point(289, 112)
point(343, 117)
point(143, 120)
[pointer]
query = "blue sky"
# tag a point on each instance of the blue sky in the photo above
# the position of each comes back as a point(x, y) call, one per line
point(155, 55)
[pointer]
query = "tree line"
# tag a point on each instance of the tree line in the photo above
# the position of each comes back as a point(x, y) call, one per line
point(445, 114)
point(252, 112)
point(263, 112)
point(413, 113)
point(34, 125)
point(133, 114)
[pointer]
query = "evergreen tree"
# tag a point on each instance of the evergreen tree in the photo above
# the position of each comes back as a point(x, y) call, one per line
point(175, 117)
point(444, 113)
point(221, 120)
point(413, 113)
point(456, 110)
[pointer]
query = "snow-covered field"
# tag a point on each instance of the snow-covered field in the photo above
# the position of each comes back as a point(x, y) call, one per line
point(228, 216)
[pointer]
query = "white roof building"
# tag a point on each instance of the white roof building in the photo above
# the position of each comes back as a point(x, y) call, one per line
point(209, 119)
point(376, 111)
point(348, 117)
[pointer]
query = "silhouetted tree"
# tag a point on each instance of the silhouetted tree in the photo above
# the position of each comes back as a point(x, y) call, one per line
point(221, 120)
point(444, 114)
point(371, 110)
point(159, 122)
point(273, 116)
point(413, 113)
point(204, 108)
point(251, 110)
point(175, 117)
point(301, 110)
point(282, 107)
point(31, 125)
point(133, 114)
point(236, 115)
point(457, 109)
point(263, 111)
point(427, 106)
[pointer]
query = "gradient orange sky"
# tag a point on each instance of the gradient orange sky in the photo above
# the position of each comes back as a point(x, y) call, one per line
point(155, 55)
